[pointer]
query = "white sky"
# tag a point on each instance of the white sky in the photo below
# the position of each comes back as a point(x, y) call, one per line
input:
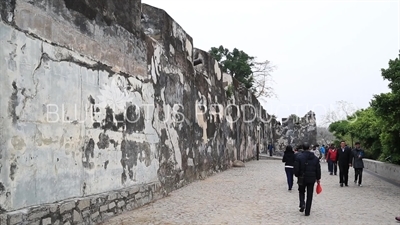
point(325, 51)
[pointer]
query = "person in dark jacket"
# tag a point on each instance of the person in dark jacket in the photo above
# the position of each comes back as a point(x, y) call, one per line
point(358, 163)
point(308, 171)
point(288, 159)
point(344, 157)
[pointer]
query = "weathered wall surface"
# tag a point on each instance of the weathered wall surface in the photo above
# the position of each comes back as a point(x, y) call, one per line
point(103, 110)
point(296, 130)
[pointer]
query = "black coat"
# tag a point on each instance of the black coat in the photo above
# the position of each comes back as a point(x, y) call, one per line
point(344, 157)
point(311, 171)
point(288, 158)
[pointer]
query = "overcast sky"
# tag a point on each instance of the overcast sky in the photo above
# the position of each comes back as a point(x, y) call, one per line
point(324, 51)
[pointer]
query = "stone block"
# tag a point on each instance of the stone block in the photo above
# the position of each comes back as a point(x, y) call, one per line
point(120, 204)
point(94, 215)
point(53, 208)
point(15, 218)
point(129, 206)
point(131, 199)
point(238, 163)
point(3, 218)
point(93, 201)
point(46, 221)
point(103, 208)
point(66, 216)
point(111, 205)
point(83, 204)
point(112, 196)
point(134, 190)
point(86, 213)
point(125, 194)
point(38, 213)
point(138, 203)
point(138, 196)
point(57, 222)
point(76, 217)
point(37, 222)
point(67, 206)
point(146, 200)
point(67, 223)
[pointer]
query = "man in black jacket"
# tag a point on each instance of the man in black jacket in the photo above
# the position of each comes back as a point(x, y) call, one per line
point(344, 161)
point(308, 171)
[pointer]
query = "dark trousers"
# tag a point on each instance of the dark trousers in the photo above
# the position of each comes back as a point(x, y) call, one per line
point(332, 166)
point(270, 152)
point(358, 174)
point(289, 177)
point(309, 187)
point(344, 174)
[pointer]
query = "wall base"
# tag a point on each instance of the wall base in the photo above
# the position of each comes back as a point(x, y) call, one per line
point(87, 210)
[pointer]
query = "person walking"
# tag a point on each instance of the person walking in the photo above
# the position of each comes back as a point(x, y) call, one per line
point(322, 150)
point(316, 151)
point(307, 169)
point(270, 147)
point(331, 158)
point(358, 163)
point(344, 160)
point(288, 159)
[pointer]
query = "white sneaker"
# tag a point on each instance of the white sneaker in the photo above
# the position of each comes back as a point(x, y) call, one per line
point(360, 185)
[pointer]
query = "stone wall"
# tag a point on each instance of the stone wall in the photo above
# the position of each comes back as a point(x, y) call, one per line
point(295, 130)
point(106, 107)
point(386, 170)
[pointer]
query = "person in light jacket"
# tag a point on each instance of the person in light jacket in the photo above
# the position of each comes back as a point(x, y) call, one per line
point(288, 159)
point(358, 163)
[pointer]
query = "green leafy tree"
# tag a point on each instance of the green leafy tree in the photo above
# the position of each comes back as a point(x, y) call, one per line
point(237, 63)
point(340, 128)
point(255, 76)
point(367, 128)
point(387, 107)
point(378, 126)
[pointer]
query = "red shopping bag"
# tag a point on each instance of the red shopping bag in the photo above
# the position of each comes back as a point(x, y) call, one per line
point(318, 189)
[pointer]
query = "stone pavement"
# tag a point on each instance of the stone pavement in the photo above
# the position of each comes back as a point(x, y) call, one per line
point(257, 194)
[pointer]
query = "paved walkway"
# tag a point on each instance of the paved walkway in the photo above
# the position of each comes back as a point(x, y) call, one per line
point(257, 194)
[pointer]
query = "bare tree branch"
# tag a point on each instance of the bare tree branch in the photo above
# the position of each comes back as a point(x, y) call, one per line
point(324, 136)
point(262, 85)
point(341, 111)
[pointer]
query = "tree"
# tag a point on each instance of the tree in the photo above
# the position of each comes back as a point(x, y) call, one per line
point(263, 79)
point(324, 136)
point(237, 63)
point(378, 126)
point(387, 108)
point(362, 125)
point(367, 128)
point(339, 128)
point(341, 111)
point(255, 76)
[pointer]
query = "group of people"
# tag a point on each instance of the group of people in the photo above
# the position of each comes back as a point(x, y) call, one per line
point(303, 162)
point(345, 157)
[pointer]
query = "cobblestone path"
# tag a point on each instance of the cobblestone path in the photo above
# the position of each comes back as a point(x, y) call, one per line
point(257, 194)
